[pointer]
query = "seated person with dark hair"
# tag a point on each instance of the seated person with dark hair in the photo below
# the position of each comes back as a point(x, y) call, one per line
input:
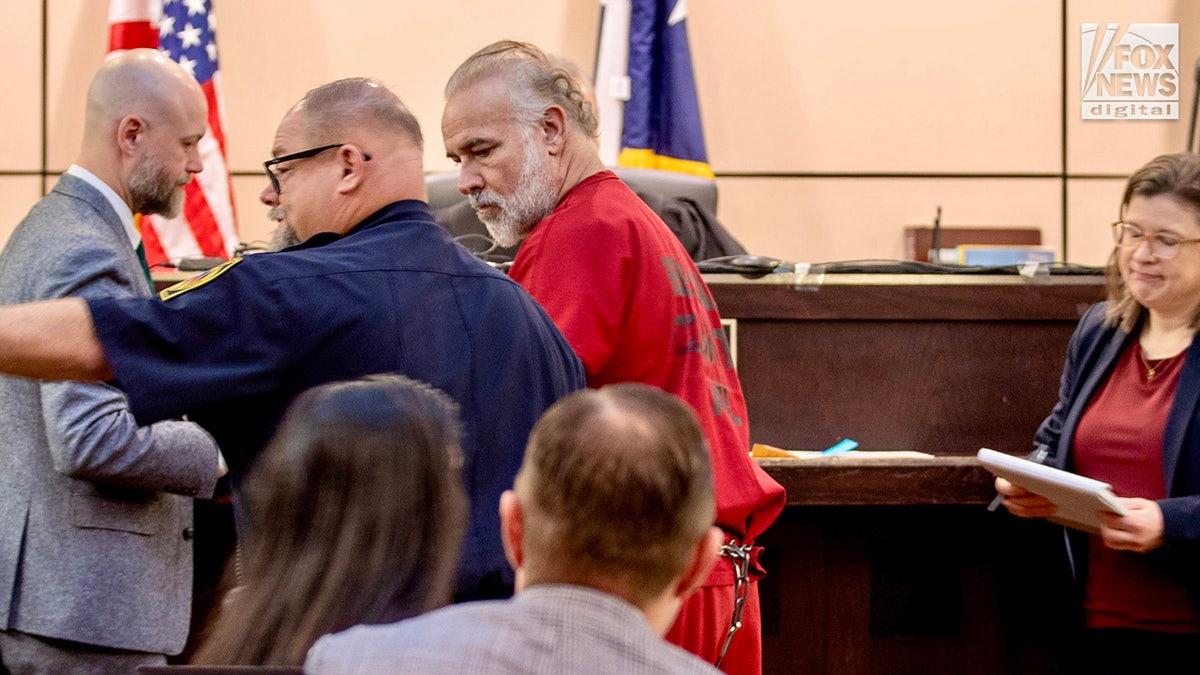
point(591, 598)
point(696, 227)
point(357, 511)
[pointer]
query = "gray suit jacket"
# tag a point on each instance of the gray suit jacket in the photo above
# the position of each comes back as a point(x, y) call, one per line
point(92, 548)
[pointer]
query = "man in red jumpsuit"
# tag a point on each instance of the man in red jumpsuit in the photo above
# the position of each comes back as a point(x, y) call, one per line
point(622, 290)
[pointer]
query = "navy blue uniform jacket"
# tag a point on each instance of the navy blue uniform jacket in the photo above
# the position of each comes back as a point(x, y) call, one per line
point(1091, 355)
point(395, 294)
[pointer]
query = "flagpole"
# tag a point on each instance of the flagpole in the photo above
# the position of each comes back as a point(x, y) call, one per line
point(611, 82)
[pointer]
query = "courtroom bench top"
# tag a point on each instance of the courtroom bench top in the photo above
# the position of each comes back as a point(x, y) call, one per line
point(846, 481)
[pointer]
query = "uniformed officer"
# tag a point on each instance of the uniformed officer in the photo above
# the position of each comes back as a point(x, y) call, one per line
point(374, 286)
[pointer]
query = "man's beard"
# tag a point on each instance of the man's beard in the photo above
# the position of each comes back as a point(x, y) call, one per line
point(152, 190)
point(283, 236)
point(533, 199)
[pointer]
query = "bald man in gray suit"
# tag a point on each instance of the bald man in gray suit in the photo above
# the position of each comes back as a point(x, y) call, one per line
point(95, 512)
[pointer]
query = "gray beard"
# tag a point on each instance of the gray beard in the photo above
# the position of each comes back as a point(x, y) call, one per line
point(283, 236)
point(533, 200)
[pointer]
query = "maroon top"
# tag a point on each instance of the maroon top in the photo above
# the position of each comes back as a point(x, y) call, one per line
point(1119, 441)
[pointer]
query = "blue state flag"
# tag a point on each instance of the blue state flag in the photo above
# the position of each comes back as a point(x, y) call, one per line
point(662, 116)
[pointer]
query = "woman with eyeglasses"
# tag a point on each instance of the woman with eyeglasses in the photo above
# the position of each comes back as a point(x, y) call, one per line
point(1127, 415)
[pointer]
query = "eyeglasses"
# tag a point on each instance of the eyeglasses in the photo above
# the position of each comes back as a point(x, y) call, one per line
point(1162, 245)
point(303, 154)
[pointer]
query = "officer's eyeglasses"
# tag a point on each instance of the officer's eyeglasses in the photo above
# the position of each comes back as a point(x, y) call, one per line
point(1163, 245)
point(303, 154)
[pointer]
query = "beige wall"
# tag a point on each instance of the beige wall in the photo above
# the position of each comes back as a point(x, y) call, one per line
point(830, 125)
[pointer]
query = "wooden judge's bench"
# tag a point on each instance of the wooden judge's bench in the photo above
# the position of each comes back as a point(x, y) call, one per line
point(896, 566)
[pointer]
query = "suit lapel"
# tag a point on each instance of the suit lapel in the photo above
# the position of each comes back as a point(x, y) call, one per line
point(1187, 394)
point(77, 188)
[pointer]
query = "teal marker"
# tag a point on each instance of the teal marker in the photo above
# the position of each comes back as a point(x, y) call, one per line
point(843, 446)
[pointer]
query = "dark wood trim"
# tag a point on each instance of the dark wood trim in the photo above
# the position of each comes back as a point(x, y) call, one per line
point(810, 299)
point(846, 481)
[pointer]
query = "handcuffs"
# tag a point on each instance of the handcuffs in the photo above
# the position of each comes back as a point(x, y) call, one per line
point(740, 557)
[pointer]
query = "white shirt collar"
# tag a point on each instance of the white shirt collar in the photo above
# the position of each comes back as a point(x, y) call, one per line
point(118, 204)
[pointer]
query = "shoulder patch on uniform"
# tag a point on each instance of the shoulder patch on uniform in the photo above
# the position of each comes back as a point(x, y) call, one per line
point(198, 280)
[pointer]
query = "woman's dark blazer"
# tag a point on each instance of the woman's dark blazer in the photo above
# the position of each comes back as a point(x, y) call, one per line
point(1091, 355)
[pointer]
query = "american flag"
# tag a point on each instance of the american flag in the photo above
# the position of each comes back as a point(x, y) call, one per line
point(185, 30)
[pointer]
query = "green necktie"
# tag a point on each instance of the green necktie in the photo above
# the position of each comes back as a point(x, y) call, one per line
point(141, 251)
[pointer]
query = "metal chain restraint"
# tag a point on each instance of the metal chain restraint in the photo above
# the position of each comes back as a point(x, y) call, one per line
point(740, 557)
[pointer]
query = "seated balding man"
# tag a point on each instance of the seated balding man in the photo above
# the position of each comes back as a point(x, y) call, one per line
point(591, 598)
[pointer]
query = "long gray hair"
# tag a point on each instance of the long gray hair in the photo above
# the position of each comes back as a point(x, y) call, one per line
point(536, 83)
